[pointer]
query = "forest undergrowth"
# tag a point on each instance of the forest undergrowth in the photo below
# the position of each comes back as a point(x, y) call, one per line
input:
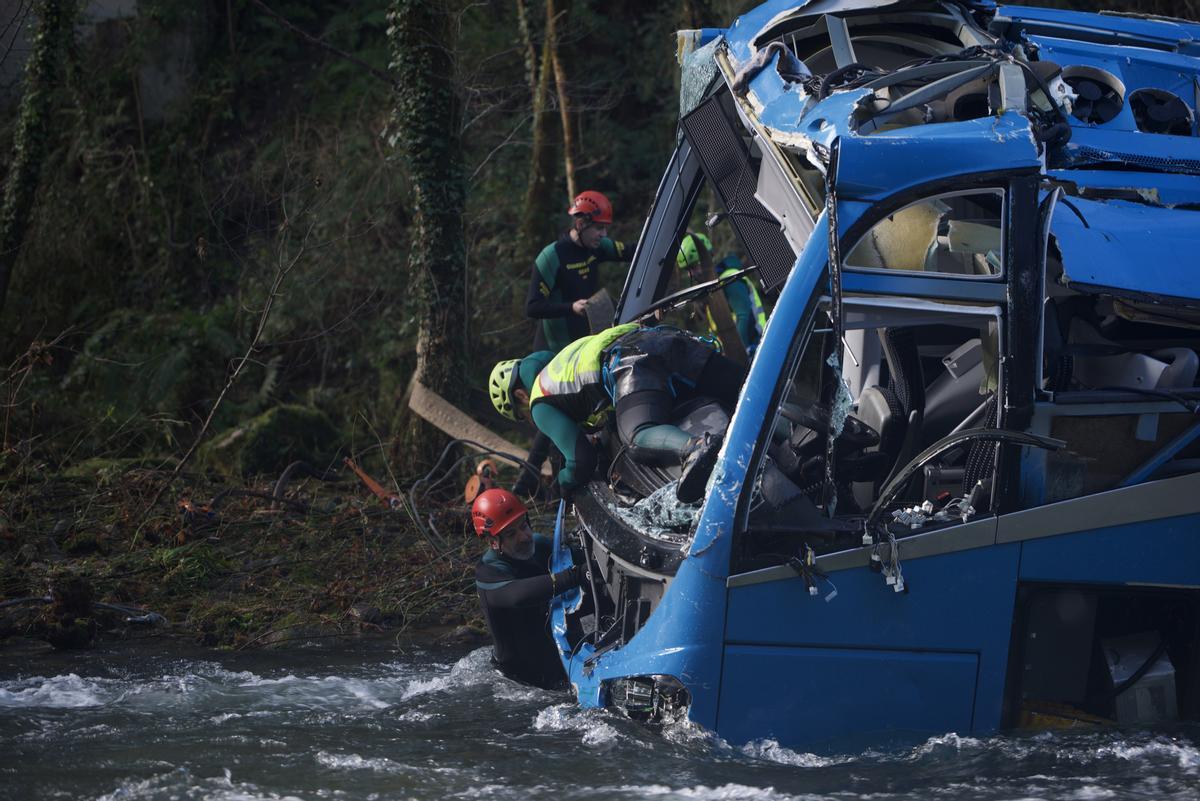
point(308, 556)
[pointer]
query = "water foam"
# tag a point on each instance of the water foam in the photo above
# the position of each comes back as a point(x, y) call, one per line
point(1184, 755)
point(950, 742)
point(474, 668)
point(356, 762)
point(726, 792)
point(325, 691)
point(59, 692)
point(569, 717)
point(772, 751)
point(180, 785)
point(687, 732)
point(415, 716)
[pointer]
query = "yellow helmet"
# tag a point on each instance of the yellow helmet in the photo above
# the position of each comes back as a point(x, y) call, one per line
point(689, 250)
point(500, 387)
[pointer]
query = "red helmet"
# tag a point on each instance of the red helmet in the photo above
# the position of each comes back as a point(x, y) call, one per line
point(495, 510)
point(594, 206)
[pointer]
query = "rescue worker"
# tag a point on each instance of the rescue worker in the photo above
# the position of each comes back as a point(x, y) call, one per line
point(515, 586)
point(643, 373)
point(745, 302)
point(565, 274)
point(508, 386)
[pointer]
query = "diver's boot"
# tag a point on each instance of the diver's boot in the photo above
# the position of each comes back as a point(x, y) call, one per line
point(697, 466)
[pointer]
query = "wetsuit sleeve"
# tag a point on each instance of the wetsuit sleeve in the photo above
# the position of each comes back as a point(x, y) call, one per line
point(738, 297)
point(537, 301)
point(533, 364)
point(614, 250)
point(579, 455)
point(530, 591)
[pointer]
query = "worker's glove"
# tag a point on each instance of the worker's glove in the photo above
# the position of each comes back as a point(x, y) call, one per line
point(568, 579)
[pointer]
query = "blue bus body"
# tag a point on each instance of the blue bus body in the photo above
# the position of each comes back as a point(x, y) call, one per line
point(1011, 329)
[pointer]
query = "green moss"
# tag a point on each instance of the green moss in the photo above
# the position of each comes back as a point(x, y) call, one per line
point(189, 567)
point(101, 470)
point(223, 624)
point(269, 442)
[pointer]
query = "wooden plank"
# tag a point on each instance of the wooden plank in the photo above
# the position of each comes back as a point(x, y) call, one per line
point(446, 417)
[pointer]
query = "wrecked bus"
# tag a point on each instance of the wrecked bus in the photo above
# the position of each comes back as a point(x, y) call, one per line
point(960, 490)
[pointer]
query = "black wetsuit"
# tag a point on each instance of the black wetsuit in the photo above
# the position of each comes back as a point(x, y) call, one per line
point(563, 273)
point(515, 595)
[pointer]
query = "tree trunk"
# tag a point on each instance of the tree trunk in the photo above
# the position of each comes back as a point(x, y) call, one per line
point(537, 220)
point(527, 46)
point(428, 116)
point(55, 23)
point(564, 98)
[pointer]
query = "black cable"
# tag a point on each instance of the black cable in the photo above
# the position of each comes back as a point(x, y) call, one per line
point(488, 451)
point(613, 464)
point(1163, 394)
point(422, 487)
point(827, 81)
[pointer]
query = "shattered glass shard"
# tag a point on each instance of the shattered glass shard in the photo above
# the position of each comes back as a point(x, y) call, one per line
point(699, 71)
point(661, 516)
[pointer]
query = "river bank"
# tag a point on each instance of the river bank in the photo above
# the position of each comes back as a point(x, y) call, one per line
point(112, 555)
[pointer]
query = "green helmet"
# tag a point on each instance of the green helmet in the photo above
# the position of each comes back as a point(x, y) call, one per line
point(689, 253)
point(501, 383)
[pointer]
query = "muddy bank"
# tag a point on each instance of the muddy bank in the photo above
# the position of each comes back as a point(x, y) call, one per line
point(84, 558)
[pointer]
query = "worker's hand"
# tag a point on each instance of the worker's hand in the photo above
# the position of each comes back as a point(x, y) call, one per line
point(568, 579)
point(579, 307)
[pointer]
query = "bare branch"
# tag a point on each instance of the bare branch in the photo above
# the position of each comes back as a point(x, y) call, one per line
point(12, 28)
point(285, 267)
point(380, 74)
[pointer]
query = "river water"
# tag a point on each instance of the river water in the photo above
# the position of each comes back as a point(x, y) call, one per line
point(380, 723)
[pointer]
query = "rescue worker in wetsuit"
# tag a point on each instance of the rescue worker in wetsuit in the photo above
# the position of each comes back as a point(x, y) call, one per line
point(508, 386)
point(643, 373)
point(515, 586)
point(745, 302)
point(565, 274)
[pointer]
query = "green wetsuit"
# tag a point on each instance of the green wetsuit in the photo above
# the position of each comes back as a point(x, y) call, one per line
point(563, 273)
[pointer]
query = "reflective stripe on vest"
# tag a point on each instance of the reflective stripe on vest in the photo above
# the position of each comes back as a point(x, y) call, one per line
point(572, 377)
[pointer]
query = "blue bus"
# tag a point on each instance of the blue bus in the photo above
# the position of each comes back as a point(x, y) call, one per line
point(961, 487)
